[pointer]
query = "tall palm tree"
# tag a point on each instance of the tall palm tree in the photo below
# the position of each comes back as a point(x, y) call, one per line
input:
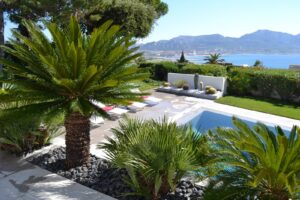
point(264, 163)
point(214, 58)
point(68, 74)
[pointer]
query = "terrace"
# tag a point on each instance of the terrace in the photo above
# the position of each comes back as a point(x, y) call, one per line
point(22, 180)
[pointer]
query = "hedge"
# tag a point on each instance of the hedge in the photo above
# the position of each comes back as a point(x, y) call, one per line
point(268, 83)
point(159, 70)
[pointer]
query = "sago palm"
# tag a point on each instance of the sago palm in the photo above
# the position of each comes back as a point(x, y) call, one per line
point(156, 154)
point(262, 160)
point(67, 74)
point(214, 58)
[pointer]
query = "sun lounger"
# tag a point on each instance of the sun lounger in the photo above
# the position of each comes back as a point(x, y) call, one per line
point(118, 111)
point(136, 106)
point(151, 101)
point(96, 119)
point(113, 111)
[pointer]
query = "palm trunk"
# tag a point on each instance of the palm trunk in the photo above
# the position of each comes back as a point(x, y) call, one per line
point(1, 32)
point(77, 140)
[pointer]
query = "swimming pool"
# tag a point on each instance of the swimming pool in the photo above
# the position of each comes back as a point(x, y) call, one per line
point(210, 120)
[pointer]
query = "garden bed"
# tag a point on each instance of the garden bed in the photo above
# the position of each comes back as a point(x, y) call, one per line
point(99, 175)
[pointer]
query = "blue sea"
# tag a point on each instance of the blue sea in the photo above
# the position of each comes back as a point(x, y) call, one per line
point(270, 61)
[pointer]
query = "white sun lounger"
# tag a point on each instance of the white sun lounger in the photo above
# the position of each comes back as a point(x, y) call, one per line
point(96, 119)
point(136, 106)
point(113, 112)
point(152, 101)
point(118, 111)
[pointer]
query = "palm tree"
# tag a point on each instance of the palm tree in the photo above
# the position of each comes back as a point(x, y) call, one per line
point(214, 58)
point(263, 163)
point(156, 154)
point(67, 75)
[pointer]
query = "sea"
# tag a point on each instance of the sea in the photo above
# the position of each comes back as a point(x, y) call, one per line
point(277, 61)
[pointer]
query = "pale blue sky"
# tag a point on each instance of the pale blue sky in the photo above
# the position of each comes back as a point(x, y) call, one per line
point(227, 17)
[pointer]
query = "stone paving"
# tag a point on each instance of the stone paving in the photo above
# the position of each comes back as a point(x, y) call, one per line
point(20, 180)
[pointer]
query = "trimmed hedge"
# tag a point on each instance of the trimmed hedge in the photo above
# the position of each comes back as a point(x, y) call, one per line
point(267, 83)
point(159, 70)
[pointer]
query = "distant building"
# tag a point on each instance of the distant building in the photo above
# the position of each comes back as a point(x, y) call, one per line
point(296, 67)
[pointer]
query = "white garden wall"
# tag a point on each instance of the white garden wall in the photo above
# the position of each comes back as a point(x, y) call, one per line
point(220, 83)
point(189, 78)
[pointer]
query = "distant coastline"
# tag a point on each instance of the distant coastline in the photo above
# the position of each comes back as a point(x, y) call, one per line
point(259, 42)
point(276, 61)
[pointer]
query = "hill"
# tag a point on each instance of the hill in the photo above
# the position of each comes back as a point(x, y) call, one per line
point(262, 41)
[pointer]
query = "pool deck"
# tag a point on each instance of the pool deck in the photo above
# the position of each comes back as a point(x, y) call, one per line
point(22, 180)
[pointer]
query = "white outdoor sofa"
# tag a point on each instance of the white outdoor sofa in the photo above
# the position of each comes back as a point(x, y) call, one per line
point(217, 82)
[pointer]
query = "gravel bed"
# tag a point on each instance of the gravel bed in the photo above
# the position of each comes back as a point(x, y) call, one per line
point(100, 176)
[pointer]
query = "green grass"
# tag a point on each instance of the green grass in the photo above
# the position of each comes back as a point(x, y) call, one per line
point(274, 107)
point(148, 84)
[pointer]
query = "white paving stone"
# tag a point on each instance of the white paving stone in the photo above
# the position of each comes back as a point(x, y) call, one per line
point(22, 180)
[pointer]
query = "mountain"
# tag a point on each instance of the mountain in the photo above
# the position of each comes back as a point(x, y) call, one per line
point(262, 41)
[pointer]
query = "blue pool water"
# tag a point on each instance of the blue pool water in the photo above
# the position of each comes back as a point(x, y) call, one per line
point(208, 120)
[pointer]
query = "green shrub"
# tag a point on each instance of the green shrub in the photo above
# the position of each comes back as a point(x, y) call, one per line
point(180, 83)
point(239, 82)
point(166, 84)
point(264, 83)
point(263, 164)
point(160, 70)
point(19, 135)
point(156, 154)
point(185, 86)
point(206, 69)
point(210, 90)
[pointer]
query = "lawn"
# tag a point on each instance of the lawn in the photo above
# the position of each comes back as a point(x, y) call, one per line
point(148, 84)
point(274, 107)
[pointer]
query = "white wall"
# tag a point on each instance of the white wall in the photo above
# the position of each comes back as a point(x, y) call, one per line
point(189, 78)
point(220, 83)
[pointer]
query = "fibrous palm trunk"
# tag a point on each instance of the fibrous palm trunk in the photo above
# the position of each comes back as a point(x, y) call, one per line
point(77, 140)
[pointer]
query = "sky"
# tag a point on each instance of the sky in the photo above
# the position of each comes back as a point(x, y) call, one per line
point(232, 18)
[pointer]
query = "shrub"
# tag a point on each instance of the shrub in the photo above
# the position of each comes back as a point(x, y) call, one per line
point(185, 87)
point(239, 81)
point(286, 87)
point(23, 136)
point(160, 70)
point(166, 84)
point(264, 83)
point(180, 83)
point(156, 154)
point(263, 164)
point(206, 69)
point(210, 90)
